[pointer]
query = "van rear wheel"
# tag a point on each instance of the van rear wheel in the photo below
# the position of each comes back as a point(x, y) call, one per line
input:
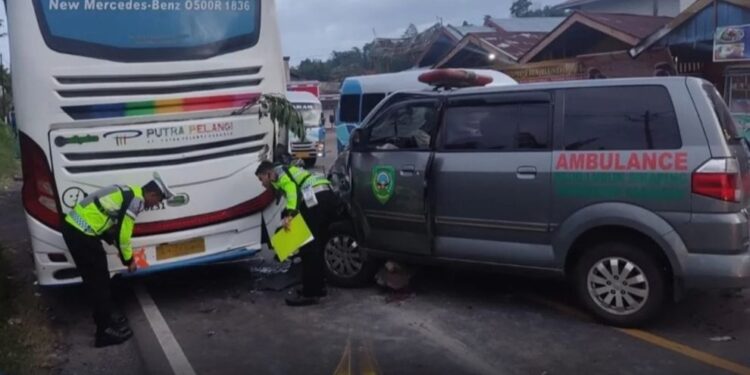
point(621, 284)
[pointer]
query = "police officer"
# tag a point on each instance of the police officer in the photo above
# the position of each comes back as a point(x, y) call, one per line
point(108, 215)
point(312, 197)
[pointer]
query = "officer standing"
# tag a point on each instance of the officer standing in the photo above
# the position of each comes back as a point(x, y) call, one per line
point(312, 197)
point(108, 215)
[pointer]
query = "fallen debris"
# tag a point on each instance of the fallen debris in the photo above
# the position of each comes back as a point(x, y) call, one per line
point(394, 276)
point(722, 339)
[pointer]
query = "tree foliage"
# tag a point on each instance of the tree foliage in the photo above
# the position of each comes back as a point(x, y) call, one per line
point(283, 115)
point(6, 92)
point(522, 8)
point(357, 61)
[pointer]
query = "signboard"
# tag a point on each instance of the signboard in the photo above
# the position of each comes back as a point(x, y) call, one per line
point(561, 70)
point(313, 87)
point(595, 66)
point(732, 43)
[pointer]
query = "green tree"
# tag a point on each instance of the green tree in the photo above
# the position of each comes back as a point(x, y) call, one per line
point(547, 11)
point(520, 8)
point(6, 101)
point(313, 69)
point(411, 32)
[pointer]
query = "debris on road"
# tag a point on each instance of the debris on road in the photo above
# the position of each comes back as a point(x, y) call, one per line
point(265, 268)
point(15, 322)
point(211, 333)
point(208, 310)
point(275, 277)
point(722, 339)
point(394, 276)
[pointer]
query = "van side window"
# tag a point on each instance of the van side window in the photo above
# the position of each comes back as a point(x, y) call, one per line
point(349, 108)
point(620, 118)
point(404, 126)
point(497, 127)
point(726, 121)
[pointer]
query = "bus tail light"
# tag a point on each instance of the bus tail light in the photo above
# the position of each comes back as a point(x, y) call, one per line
point(39, 192)
point(719, 179)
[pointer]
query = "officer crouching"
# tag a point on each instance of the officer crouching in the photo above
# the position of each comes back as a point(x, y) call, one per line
point(318, 208)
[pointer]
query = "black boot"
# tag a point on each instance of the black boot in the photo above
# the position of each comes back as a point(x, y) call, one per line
point(112, 336)
point(119, 321)
point(323, 292)
point(296, 298)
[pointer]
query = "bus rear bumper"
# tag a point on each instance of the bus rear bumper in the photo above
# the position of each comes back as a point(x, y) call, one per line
point(224, 242)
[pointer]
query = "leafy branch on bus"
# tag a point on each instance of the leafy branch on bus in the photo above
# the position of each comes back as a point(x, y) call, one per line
point(283, 114)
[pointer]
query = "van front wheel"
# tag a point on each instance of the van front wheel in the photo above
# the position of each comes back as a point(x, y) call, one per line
point(621, 284)
point(346, 264)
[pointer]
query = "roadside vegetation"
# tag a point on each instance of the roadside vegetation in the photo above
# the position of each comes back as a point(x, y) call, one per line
point(26, 339)
point(9, 165)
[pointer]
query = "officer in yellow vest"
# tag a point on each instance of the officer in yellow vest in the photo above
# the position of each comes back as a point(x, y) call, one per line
point(312, 197)
point(108, 215)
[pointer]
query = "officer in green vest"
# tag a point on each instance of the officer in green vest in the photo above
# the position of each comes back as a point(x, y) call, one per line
point(312, 197)
point(108, 215)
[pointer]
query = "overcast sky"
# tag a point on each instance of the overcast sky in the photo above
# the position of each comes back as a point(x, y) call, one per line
point(314, 28)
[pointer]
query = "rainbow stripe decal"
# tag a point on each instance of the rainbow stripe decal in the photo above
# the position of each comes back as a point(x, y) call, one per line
point(157, 107)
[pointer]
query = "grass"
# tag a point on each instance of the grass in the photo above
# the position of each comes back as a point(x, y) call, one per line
point(9, 165)
point(26, 340)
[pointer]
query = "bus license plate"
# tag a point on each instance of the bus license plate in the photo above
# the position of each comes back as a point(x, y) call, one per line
point(181, 249)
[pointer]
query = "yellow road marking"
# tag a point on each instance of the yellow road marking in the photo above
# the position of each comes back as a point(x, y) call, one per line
point(363, 356)
point(687, 351)
point(706, 358)
point(345, 365)
point(368, 365)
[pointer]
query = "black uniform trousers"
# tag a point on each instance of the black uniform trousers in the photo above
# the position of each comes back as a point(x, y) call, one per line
point(318, 219)
point(91, 261)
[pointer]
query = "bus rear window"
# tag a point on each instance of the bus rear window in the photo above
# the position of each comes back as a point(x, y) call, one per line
point(349, 108)
point(148, 30)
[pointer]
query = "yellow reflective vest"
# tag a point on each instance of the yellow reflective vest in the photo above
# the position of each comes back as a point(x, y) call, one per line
point(288, 183)
point(99, 212)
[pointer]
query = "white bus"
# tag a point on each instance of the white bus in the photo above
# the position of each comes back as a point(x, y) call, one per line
point(314, 145)
point(109, 92)
point(359, 95)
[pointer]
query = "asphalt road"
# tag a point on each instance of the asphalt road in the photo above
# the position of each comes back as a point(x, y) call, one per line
point(231, 319)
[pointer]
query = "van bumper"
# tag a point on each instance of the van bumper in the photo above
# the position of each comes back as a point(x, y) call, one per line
point(708, 271)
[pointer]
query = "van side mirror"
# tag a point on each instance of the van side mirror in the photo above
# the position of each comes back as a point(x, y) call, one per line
point(357, 139)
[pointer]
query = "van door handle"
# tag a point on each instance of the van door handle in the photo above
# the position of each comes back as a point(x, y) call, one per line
point(408, 171)
point(526, 173)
